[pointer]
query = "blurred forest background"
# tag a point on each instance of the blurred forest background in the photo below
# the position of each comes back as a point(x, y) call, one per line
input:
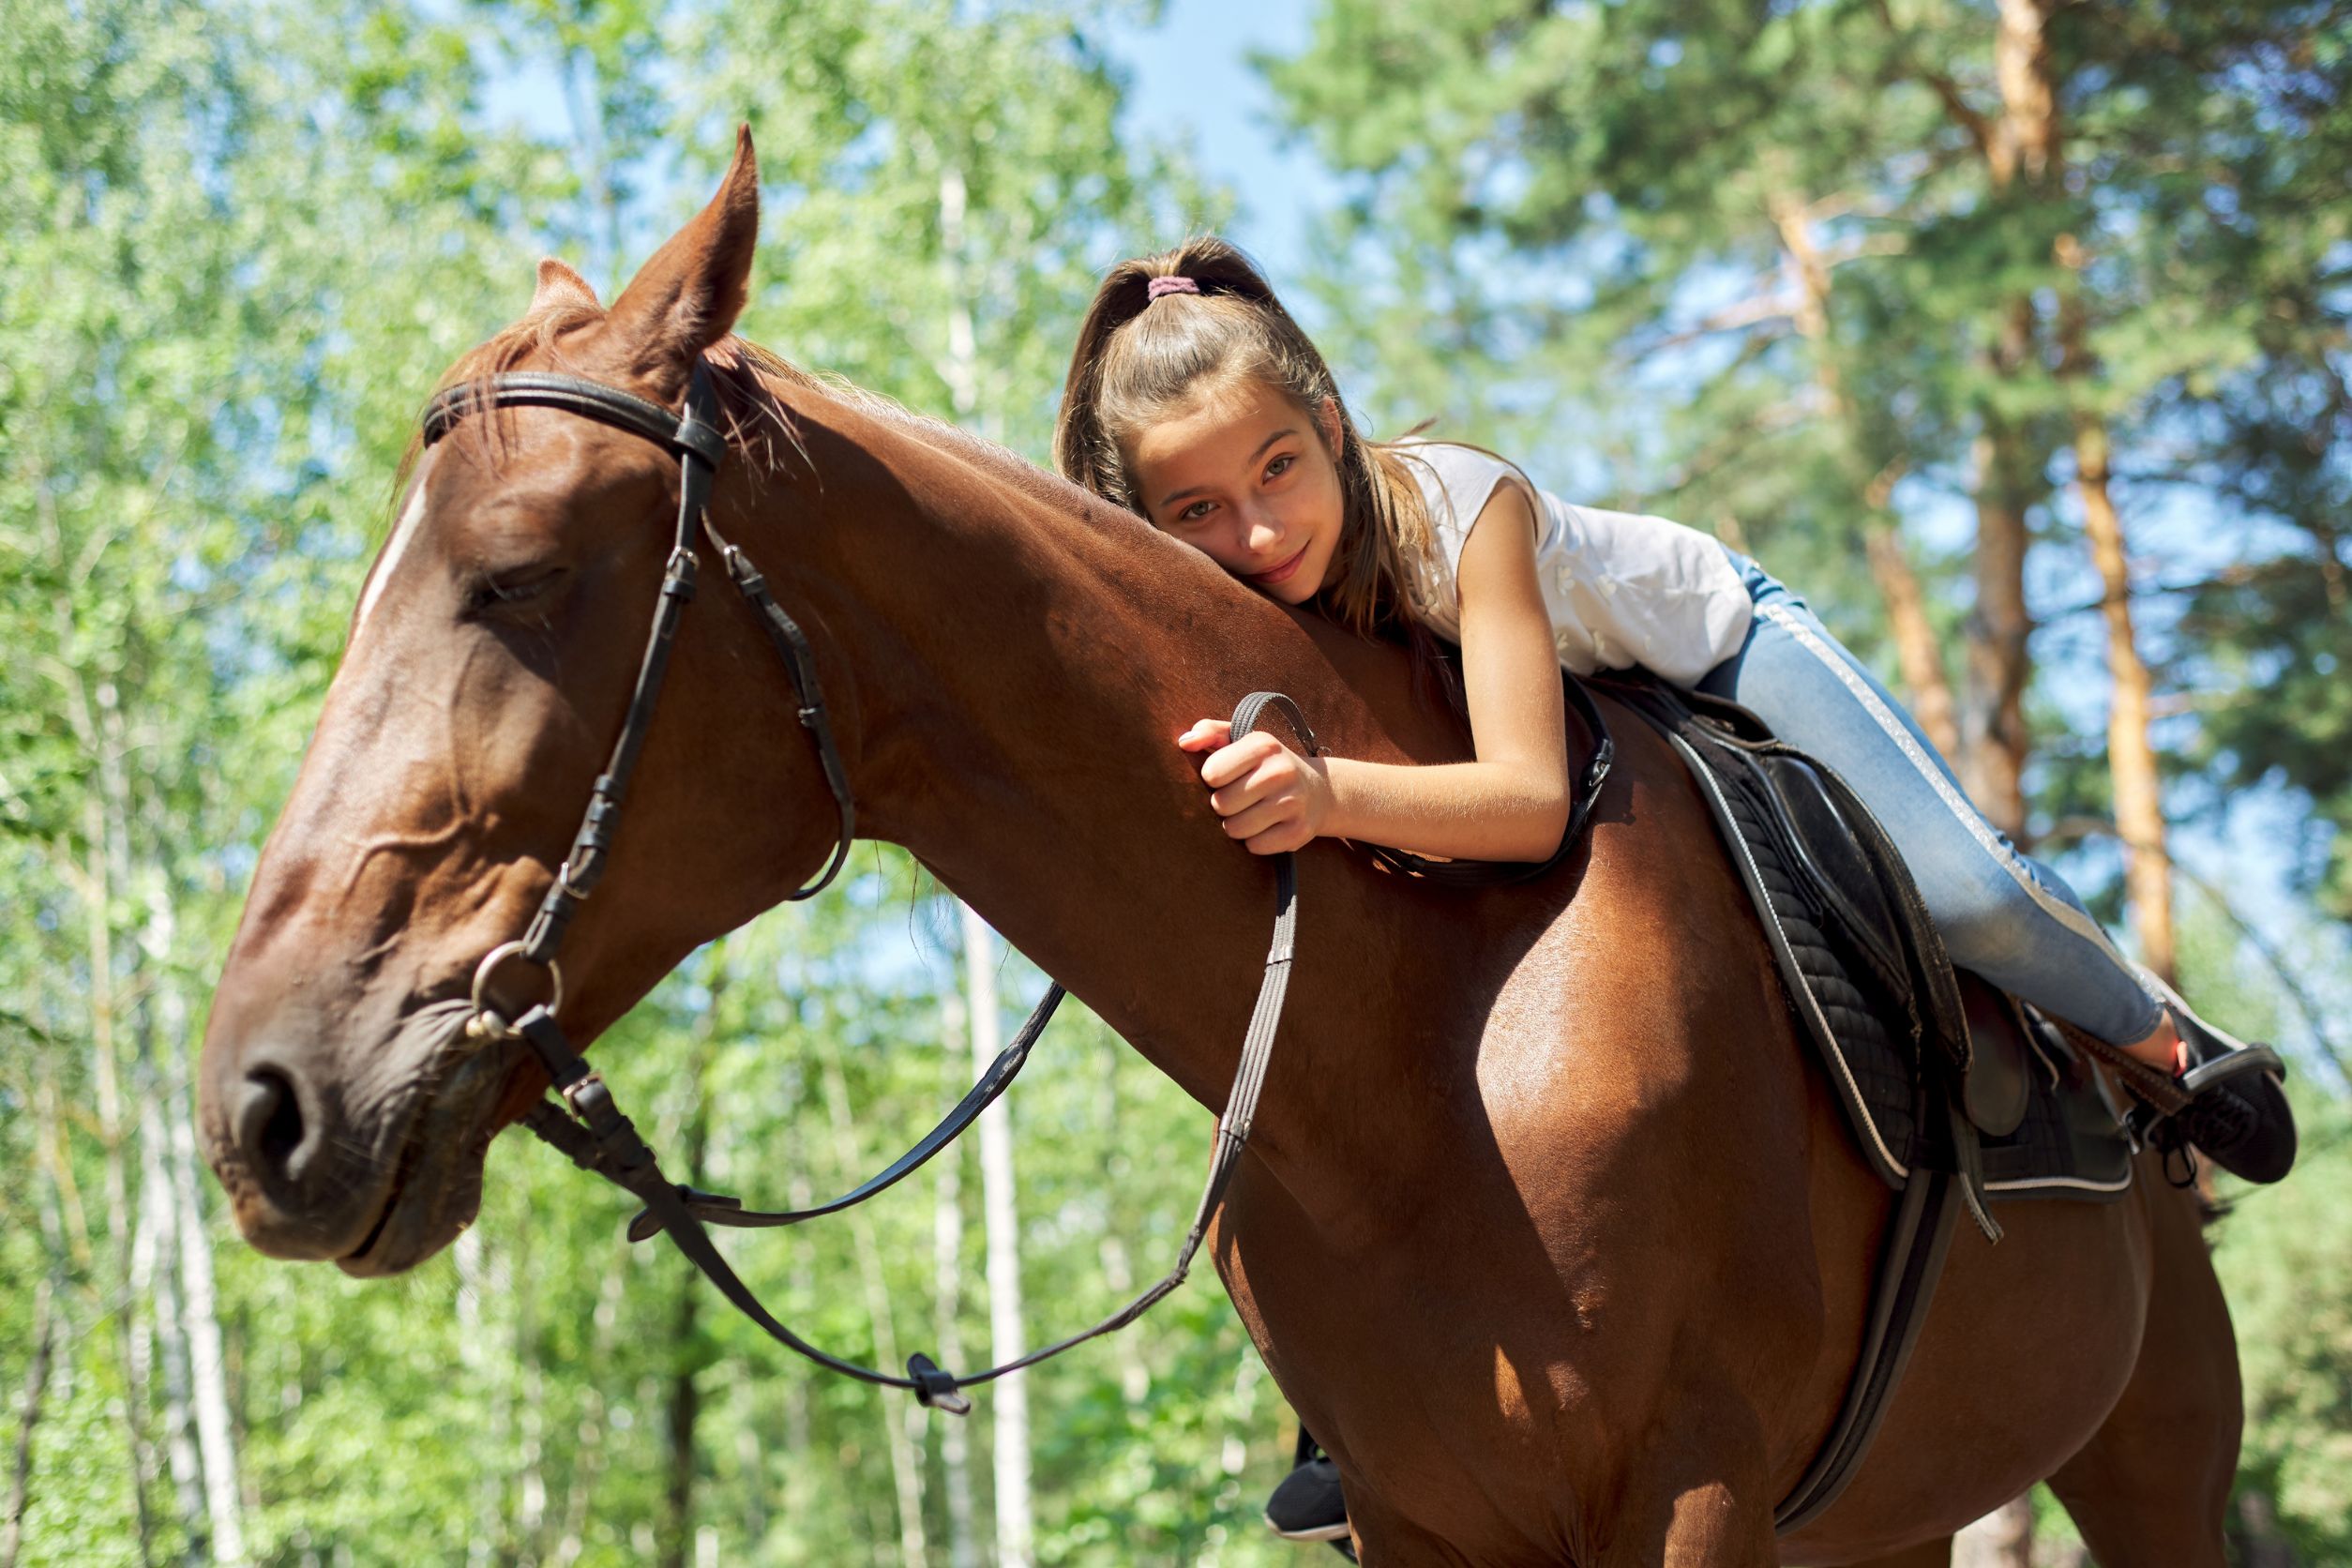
point(2014, 333)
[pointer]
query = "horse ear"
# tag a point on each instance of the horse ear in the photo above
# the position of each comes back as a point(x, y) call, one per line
point(688, 295)
point(559, 285)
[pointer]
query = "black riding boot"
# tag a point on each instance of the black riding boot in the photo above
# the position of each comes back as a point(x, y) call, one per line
point(1308, 1506)
point(2236, 1114)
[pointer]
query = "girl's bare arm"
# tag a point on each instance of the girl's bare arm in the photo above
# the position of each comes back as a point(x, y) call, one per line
point(1510, 804)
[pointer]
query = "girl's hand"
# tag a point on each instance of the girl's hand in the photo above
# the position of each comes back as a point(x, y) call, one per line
point(1272, 798)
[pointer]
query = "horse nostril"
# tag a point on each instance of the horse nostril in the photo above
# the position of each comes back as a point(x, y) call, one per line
point(269, 1122)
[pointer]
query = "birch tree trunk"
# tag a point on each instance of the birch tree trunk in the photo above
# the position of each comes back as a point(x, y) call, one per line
point(961, 370)
point(686, 1406)
point(29, 1417)
point(1015, 1531)
point(209, 1374)
point(686, 1398)
point(525, 1412)
point(800, 1472)
point(948, 1288)
point(588, 1450)
point(93, 709)
point(906, 1469)
point(98, 888)
point(159, 1242)
point(475, 1287)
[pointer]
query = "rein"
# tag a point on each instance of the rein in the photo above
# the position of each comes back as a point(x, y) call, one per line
point(590, 1129)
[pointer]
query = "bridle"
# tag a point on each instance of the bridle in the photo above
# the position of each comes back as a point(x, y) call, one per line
point(589, 1128)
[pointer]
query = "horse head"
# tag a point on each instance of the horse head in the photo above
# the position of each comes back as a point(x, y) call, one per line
point(345, 1105)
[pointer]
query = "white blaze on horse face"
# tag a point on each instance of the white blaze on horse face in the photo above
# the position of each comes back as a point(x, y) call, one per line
point(411, 519)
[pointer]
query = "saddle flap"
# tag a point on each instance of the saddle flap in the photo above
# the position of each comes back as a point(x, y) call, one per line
point(2013, 1114)
point(1838, 868)
point(1995, 1089)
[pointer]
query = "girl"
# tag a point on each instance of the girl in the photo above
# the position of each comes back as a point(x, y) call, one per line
point(1194, 401)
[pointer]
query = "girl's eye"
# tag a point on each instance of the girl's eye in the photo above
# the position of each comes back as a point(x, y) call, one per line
point(1194, 512)
point(1281, 465)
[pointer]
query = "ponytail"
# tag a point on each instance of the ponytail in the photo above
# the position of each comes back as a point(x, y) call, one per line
point(1163, 328)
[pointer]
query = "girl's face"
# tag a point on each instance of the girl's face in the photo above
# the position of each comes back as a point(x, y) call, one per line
point(1246, 476)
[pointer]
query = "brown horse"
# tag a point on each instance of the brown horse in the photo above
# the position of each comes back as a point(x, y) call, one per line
point(1549, 1230)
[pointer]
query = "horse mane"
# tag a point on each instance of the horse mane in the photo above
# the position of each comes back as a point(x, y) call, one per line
point(749, 377)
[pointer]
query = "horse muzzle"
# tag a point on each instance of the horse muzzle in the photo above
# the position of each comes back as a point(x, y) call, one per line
point(371, 1159)
point(300, 1183)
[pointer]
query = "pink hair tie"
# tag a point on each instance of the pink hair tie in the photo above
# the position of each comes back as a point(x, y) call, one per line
point(1159, 286)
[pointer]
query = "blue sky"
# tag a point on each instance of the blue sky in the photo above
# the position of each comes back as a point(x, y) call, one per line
point(1192, 86)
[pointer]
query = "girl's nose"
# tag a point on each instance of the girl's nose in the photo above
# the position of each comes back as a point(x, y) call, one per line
point(1261, 532)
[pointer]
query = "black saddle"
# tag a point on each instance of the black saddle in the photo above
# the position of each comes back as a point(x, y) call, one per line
point(1951, 1088)
point(1934, 1066)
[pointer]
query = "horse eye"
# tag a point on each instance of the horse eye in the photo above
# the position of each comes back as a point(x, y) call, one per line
point(490, 592)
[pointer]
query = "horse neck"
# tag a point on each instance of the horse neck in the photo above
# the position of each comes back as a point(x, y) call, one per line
point(1022, 659)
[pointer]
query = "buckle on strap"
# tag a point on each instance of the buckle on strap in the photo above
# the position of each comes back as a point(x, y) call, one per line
point(935, 1387)
point(678, 574)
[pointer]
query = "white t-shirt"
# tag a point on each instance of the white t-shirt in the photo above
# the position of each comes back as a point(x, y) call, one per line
point(1622, 589)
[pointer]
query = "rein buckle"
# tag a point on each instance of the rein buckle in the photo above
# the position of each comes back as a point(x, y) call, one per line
point(935, 1387)
point(587, 1086)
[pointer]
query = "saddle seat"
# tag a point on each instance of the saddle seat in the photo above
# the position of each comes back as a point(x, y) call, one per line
point(1934, 1066)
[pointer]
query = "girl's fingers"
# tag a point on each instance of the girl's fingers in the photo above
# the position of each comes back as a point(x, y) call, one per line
point(1238, 759)
point(1278, 839)
point(1251, 821)
point(1205, 734)
point(1238, 796)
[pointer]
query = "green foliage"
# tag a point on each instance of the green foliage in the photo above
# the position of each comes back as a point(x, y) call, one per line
point(929, 162)
point(243, 244)
point(2285, 1253)
point(242, 241)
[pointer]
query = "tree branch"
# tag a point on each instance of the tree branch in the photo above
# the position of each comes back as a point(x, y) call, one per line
point(1955, 103)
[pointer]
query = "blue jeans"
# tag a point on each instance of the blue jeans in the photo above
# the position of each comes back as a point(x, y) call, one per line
point(2003, 914)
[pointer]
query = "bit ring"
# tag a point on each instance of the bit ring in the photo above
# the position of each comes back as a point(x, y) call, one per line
point(499, 954)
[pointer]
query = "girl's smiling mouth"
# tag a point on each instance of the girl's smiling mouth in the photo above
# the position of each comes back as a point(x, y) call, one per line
point(1281, 573)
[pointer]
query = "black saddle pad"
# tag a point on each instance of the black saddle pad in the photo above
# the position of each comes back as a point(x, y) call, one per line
point(1865, 972)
